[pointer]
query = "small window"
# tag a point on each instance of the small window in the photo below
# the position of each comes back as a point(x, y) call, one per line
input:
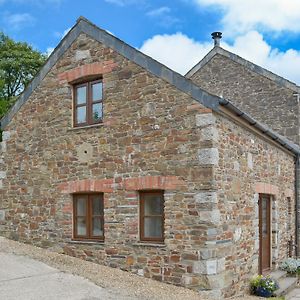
point(88, 104)
point(88, 217)
point(152, 216)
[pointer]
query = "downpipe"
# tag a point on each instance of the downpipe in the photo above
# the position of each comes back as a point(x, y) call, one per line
point(297, 200)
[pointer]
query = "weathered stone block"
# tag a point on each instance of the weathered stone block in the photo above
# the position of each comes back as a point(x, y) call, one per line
point(205, 119)
point(208, 156)
point(6, 135)
point(2, 215)
point(221, 265)
point(2, 174)
point(212, 216)
point(205, 267)
point(250, 160)
point(237, 234)
point(207, 253)
point(82, 54)
point(206, 197)
point(209, 134)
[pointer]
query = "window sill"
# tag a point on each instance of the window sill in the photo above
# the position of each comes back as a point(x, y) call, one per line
point(149, 244)
point(86, 242)
point(85, 127)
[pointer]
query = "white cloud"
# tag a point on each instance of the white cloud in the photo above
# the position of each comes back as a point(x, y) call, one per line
point(17, 21)
point(158, 11)
point(163, 16)
point(181, 53)
point(177, 51)
point(240, 16)
point(61, 35)
point(49, 51)
point(124, 2)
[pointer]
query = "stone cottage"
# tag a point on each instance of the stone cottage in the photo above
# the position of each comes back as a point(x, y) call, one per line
point(112, 157)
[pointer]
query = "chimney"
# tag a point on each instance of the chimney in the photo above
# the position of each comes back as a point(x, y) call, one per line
point(216, 36)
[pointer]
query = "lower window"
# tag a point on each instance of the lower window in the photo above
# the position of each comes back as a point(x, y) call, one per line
point(88, 217)
point(152, 216)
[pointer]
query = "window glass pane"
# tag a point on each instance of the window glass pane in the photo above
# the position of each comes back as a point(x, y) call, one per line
point(97, 91)
point(97, 227)
point(81, 226)
point(97, 205)
point(81, 115)
point(81, 95)
point(153, 227)
point(153, 205)
point(97, 112)
point(81, 206)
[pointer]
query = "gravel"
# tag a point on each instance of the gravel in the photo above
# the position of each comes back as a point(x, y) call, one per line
point(121, 283)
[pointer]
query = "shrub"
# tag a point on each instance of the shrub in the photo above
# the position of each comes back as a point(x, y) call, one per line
point(290, 265)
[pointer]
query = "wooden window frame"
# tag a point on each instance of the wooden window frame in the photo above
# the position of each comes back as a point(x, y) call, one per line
point(142, 217)
point(88, 104)
point(89, 217)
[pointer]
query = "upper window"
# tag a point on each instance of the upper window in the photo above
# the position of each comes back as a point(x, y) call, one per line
point(152, 216)
point(88, 217)
point(88, 105)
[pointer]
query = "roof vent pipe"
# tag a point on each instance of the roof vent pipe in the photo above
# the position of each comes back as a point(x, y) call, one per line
point(216, 36)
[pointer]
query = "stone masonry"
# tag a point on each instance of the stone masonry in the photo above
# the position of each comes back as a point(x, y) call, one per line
point(153, 137)
point(267, 100)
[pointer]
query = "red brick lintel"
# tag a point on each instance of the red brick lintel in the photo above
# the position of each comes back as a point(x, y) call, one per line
point(87, 70)
point(129, 184)
point(87, 185)
point(154, 183)
point(266, 188)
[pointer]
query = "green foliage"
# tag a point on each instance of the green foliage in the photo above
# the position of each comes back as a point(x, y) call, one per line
point(265, 282)
point(19, 63)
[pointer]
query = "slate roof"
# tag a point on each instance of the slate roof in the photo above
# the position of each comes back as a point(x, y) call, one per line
point(180, 82)
point(249, 65)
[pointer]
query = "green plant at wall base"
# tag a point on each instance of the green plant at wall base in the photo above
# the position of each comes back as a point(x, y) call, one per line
point(266, 284)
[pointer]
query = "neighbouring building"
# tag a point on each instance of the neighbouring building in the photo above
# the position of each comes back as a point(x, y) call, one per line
point(267, 97)
point(112, 157)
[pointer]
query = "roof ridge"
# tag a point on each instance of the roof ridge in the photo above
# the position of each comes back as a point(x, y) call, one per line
point(244, 62)
point(182, 83)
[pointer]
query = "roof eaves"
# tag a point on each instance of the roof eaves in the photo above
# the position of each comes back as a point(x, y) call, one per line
point(84, 26)
point(284, 142)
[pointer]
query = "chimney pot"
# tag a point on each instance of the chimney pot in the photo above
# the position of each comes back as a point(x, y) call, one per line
point(216, 36)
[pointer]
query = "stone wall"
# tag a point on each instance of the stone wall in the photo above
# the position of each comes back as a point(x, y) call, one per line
point(3, 171)
point(249, 166)
point(152, 137)
point(269, 102)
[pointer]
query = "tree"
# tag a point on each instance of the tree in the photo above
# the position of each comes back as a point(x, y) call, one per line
point(19, 63)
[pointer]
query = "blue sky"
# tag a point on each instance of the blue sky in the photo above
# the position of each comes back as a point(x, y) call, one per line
point(177, 33)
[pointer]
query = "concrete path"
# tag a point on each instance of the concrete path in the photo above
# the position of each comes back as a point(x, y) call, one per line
point(294, 294)
point(27, 279)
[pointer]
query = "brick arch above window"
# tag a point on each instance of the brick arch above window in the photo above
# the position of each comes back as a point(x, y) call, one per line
point(86, 71)
point(154, 183)
point(87, 185)
point(266, 188)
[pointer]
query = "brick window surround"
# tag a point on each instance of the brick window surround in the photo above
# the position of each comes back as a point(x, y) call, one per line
point(151, 216)
point(88, 103)
point(88, 217)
